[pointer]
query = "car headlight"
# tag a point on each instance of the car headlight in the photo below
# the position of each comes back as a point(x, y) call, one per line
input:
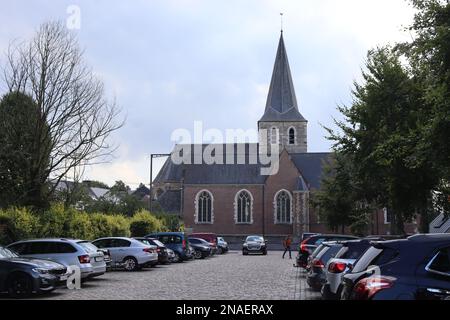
point(41, 270)
point(245, 244)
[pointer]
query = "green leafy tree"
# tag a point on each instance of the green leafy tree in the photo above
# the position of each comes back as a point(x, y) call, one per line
point(429, 55)
point(338, 201)
point(22, 169)
point(381, 131)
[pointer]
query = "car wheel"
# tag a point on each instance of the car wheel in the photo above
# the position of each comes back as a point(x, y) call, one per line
point(20, 286)
point(198, 254)
point(130, 264)
point(176, 258)
point(244, 253)
point(220, 251)
point(264, 252)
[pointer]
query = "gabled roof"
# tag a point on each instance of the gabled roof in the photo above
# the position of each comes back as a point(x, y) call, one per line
point(281, 102)
point(309, 164)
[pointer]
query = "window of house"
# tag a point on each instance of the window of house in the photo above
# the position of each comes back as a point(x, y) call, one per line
point(204, 207)
point(291, 134)
point(283, 207)
point(243, 207)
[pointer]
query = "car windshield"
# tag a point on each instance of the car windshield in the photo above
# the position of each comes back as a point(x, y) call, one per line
point(255, 238)
point(89, 247)
point(6, 253)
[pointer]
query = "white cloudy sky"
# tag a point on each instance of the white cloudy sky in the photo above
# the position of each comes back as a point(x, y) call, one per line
point(169, 63)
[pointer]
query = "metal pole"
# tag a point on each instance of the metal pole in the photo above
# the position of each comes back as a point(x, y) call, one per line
point(150, 185)
point(263, 213)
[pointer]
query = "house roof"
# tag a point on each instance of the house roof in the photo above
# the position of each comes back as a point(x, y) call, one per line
point(281, 102)
point(309, 164)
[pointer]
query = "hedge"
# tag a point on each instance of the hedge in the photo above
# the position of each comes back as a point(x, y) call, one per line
point(23, 223)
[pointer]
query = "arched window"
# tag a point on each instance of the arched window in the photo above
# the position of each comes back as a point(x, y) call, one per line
point(243, 205)
point(283, 207)
point(204, 207)
point(291, 135)
point(274, 136)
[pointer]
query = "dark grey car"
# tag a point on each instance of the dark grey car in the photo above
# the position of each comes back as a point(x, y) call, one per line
point(21, 277)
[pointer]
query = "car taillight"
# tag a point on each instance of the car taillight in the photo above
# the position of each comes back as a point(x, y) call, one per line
point(366, 288)
point(84, 258)
point(317, 263)
point(337, 267)
point(149, 250)
point(158, 250)
point(303, 246)
point(184, 244)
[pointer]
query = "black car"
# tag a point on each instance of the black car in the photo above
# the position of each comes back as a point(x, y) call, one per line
point(416, 268)
point(254, 244)
point(161, 249)
point(201, 247)
point(316, 276)
point(308, 245)
point(21, 277)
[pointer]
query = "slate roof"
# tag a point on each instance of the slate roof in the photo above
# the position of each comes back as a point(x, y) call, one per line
point(170, 201)
point(309, 164)
point(281, 102)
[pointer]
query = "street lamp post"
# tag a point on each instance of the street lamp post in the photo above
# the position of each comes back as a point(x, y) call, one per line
point(153, 155)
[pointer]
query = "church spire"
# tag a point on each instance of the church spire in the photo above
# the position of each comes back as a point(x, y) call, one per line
point(281, 102)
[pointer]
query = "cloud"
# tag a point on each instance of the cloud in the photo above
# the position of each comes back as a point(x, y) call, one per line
point(169, 63)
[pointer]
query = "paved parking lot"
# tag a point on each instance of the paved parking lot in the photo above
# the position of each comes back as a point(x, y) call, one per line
point(228, 277)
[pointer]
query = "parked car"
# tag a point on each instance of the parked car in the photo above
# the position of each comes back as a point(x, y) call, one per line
point(316, 276)
point(211, 238)
point(171, 255)
point(161, 249)
point(308, 245)
point(342, 263)
point(222, 245)
point(21, 277)
point(177, 241)
point(107, 258)
point(191, 251)
point(254, 244)
point(68, 252)
point(97, 257)
point(202, 248)
point(416, 268)
point(128, 253)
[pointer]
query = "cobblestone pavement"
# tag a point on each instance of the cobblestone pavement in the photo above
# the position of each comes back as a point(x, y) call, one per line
point(229, 277)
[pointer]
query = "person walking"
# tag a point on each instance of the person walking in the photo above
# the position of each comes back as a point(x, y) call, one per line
point(287, 246)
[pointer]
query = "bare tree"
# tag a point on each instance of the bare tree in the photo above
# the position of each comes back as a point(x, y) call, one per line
point(77, 119)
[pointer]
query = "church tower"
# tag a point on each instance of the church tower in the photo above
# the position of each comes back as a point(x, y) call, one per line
point(282, 120)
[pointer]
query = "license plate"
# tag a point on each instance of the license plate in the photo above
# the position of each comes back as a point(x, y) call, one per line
point(63, 278)
point(98, 259)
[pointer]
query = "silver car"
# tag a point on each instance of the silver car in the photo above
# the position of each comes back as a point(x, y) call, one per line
point(128, 253)
point(342, 263)
point(68, 252)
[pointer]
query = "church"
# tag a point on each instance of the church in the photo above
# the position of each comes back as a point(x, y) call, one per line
point(235, 199)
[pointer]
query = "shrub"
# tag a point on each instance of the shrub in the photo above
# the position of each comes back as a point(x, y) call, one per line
point(55, 221)
point(143, 223)
point(120, 226)
point(80, 226)
point(21, 223)
point(101, 225)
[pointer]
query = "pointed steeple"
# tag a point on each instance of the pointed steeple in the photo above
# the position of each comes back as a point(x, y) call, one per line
point(281, 101)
